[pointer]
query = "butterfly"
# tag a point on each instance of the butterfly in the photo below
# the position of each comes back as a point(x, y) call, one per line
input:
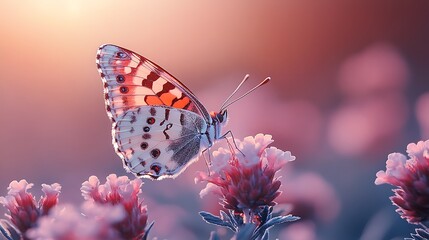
point(159, 127)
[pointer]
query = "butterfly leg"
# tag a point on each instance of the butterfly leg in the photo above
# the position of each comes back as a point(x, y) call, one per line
point(208, 161)
point(233, 140)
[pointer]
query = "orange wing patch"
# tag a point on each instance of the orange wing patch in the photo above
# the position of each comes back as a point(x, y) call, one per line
point(153, 100)
point(182, 103)
point(167, 98)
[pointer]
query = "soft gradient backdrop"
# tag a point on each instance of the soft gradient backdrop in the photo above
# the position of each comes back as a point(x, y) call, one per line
point(350, 84)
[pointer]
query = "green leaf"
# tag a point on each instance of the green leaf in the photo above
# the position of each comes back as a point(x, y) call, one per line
point(271, 223)
point(8, 231)
point(215, 220)
point(146, 234)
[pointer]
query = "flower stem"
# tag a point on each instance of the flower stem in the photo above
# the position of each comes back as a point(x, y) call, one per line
point(247, 218)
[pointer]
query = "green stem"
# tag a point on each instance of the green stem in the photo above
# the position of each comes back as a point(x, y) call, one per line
point(247, 218)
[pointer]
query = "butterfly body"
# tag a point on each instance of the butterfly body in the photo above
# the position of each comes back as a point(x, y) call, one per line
point(159, 126)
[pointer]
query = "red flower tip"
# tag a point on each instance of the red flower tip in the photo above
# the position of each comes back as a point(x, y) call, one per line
point(410, 176)
point(246, 181)
point(120, 191)
point(23, 208)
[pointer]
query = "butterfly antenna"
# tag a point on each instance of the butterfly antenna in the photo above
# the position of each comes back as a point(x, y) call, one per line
point(224, 106)
point(235, 91)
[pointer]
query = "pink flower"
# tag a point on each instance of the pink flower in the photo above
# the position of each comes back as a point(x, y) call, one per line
point(51, 197)
point(246, 181)
point(23, 208)
point(66, 222)
point(120, 191)
point(410, 176)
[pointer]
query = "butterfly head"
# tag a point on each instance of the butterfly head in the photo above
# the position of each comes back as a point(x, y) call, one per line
point(220, 118)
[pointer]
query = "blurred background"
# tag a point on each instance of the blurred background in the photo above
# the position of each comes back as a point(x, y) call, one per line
point(350, 84)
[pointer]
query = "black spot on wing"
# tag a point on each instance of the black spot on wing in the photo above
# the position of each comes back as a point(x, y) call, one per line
point(182, 119)
point(123, 89)
point(144, 145)
point(120, 78)
point(155, 153)
point(152, 111)
point(166, 116)
point(168, 126)
point(150, 120)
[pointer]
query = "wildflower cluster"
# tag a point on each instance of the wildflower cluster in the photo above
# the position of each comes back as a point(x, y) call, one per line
point(125, 193)
point(247, 186)
point(410, 177)
point(245, 181)
point(111, 211)
point(24, 210)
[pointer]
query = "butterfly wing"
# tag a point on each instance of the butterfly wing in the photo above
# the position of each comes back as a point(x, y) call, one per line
point(158, 141)
point(157, 121)
point(131, 80)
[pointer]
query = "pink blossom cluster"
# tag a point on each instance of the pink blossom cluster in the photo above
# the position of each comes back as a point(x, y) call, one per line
point(124, 192)
point(112, 210)
point(24, 210)
point(245, 180)
point(410, 177)
point(243, 176)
